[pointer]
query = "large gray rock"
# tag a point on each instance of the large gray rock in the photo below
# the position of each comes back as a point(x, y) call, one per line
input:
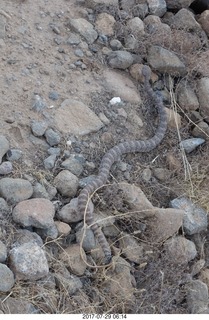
point(28, 262)
point(37, 213)
point(157, 7)
point(7, 278)
point(197, 296)
point(74, 117)
point(84, 28)
point(66, 183)
point(180, 250)
point(184, 19)
point(165, 61)
point(120, 59)
point(195, 218)
point(178, 4)
point(15, 190)
point(186, 97)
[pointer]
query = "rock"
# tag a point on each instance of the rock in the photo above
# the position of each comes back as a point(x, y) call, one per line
point(165, 61)
point(3, 252)
point(120, 275)
point(136, 200)
point(203, 96)
point(6, 167)
point(53, 95)
point(86, 239)
point(184, 19)
point(115, 44)
point(186, 97)
point(66, 183)
point(74, 258)
point(39, 143)
point(156, 27)
point(17, 306)
point(37, 213)
point(204, 21)
point(39, 191)
point(174, 119)
point(195, 218)
point(197, 267)
point(120, 59)
point(136, 72)
point(84, 28)
point(63, 228)
point(105, 24)
point(51, 232)
point(74, 117)
point(146, 174)
point(67, 282)
point(165, 223)
point(131, 248)
point(191, 144)
point(54, 150)
point(38, 104)
point(136, 27)
point(51, 190)
point(14, 154)
point(201, 130)
point(70, 213)
point(204, 276)
point(52, 137)
point(7, 278)
point(15, 190)
point(73, 39)
point(178, 4)
point(94, 3)
point(38, 127)
point(4, 147)
point(49, 162)
point(162, 174)
point(28, 262)
point(4, 208)
point(197, 296)
point(180, 250)
point(157, 7)
point(73, 164)
point(120, 86)
point(23, 236)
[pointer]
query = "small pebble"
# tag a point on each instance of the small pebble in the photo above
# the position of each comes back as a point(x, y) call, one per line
point(14, 154)
point(53, 95)
point(191, 144)
point(6, 168)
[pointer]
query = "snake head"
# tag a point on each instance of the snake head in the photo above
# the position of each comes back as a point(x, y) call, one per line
point(146, 71)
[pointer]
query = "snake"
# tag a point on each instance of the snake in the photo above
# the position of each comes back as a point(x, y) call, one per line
point(113, 155)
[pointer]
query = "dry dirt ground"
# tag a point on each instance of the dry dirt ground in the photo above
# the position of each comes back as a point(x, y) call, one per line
point(31, 63)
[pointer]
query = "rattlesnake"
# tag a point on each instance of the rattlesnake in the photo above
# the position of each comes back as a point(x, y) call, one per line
point(113, 155)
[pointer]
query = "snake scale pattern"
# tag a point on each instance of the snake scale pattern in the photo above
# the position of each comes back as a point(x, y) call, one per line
point(113, 155)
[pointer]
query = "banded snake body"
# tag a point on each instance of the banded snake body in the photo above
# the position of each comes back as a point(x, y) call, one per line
point(113, 155)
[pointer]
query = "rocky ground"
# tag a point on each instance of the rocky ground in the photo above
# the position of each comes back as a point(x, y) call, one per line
point(62, 63)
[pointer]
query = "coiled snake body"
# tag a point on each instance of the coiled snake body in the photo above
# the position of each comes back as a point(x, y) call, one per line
point(113, 155)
